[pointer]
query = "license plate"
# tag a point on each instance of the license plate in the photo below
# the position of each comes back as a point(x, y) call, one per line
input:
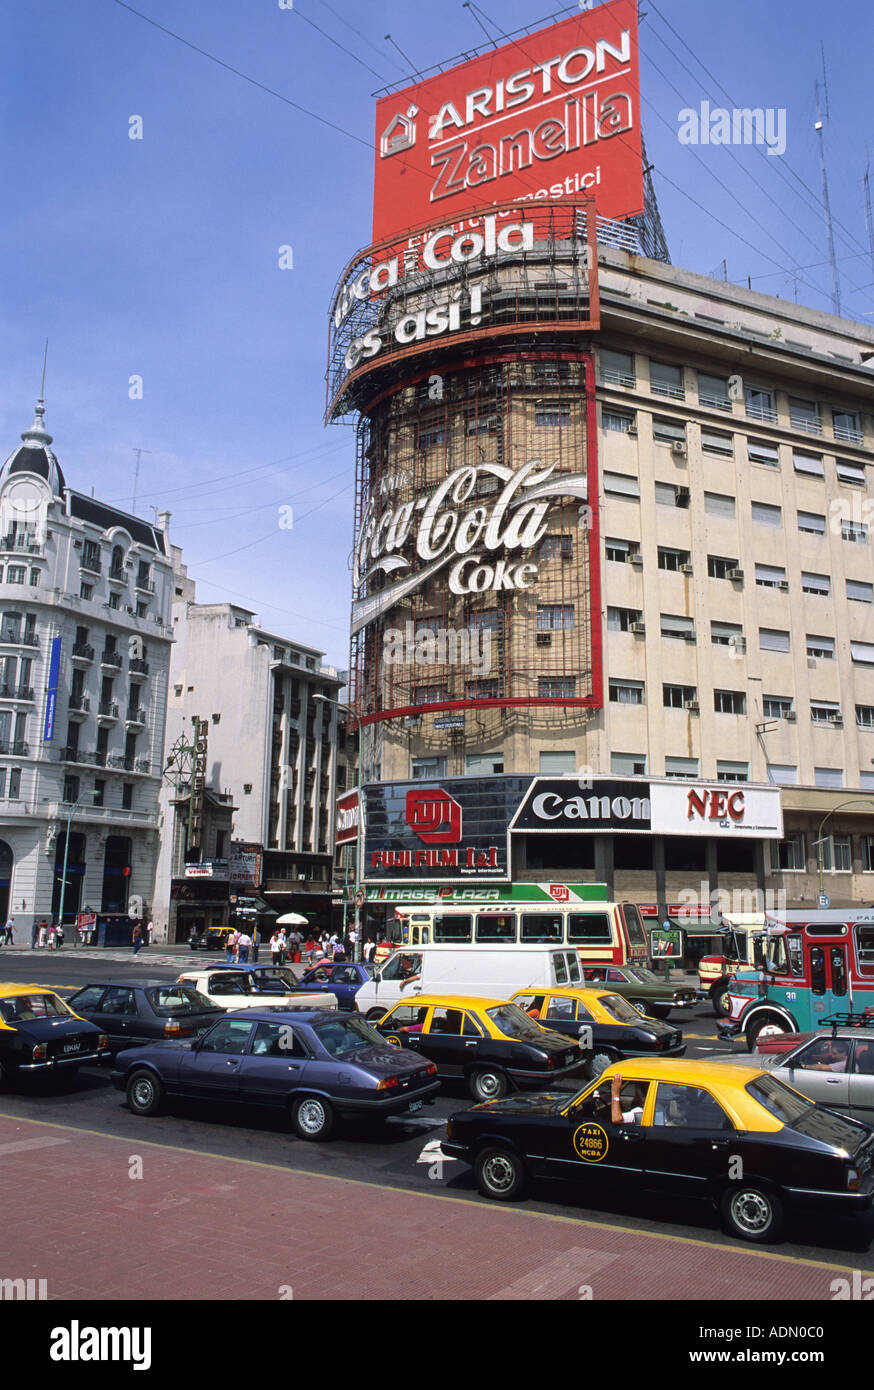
point(569, 1057)
point(72, 1046)
point(415, 1105)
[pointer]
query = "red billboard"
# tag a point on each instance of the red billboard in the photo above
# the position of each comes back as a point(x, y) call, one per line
point(546, 116)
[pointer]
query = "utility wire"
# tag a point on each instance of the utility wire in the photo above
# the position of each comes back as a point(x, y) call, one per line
point(272, 532)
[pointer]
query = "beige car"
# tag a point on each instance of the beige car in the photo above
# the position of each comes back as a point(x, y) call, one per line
point(254, 987)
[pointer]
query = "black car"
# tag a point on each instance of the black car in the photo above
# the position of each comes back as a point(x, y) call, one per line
point(41, 1034)
point(134, 1014)
point(314, 1064)
point(615, 1026)
point(209, 938)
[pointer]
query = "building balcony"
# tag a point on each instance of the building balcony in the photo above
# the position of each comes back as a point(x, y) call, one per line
point(117, 574)
point(82, 653)
point(111, 660)
point(762, 412)
point(714, 402)
point(144, 586)
point(664, 388)
point(79, 706)
point(21, 545)
point(16, 748)
point(107, 712)
point(135, 718)
point(16, 692)
point(848, 436)
point(91, 564)
point(140, 668)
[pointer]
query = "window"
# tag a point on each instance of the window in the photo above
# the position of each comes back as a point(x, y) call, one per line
point(676, 625)
point(758, 452)
point(115, 600)
point(475, 424)
point(430, 435)
point(453, 927)
point(729, 702)
point(553, 617)
point(552, 413)
point(713, 392)
point(552, 546)
point(71, 790)
point(666, 431)
point(868, 867)
point(718, 504)
point(230, 1036)
point(808, 463)
point(621, 485)
point(766, 514)
point(628, 764)
point(812, 523)
point(824, 712)
point(852, 473)
point(35, 576)
point(427, 768)
point(14, 783)
point(142, 610)
point(865, 716)
point(681, 767)
point(828, 777)
point(485, 689)
point(556, 762)
point(815, 583)
point(769, 576)
point(617, 422)
point(776, 706)
point(127, 796)
point(677, 696)
point(617, 367)
point(732, 772)
point(835, 851)
point(626, 692)
point(773, 639)
point(861, 592)
point(494, 927)
point(804, 415)
point(669, 559)
point(726, 634)
point(822, 647)
point(542, 926)
point(847, 426)
point(91, 556)
point(620, 550)
point(783, 774)
point(760, 404)
point(862, 653)
point(430, 694)
point(556, 687)
point(99, 793)
point(854, 532)
point(715, 442)
point(483, 764)
point(669, 495)
point(688, 1107)
point(719, 566)
point(620, 619)
point(787, 856)
point(589, 927)
point(86, 591)
point(665, 380)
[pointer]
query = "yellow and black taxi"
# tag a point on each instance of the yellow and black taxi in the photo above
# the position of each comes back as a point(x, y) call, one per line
point(40, 1033)
point(490, 1044)
point(734, 1136)
point(613, 1027)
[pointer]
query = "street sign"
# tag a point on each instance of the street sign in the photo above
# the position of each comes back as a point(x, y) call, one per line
point(360, 895)
point(824, 901)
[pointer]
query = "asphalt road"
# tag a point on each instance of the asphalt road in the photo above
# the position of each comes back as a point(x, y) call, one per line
point(400, 1153)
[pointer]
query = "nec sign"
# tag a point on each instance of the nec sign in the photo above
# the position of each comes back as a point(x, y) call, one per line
point(714, 805)
point(435, 816)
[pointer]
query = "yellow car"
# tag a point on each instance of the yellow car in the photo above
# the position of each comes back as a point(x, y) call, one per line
point(40, 1033)
point(734, 1136)
point(490, 1044)
point(603, 1020)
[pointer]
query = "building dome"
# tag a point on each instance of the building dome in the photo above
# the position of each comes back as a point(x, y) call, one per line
point(33, 455)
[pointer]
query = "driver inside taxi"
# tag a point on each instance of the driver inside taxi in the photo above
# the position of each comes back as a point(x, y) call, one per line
point(626, 1109)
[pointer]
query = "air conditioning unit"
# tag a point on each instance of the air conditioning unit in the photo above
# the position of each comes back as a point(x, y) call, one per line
point(692, 706)
point(811, 661)
point(632, 430)
point(739, 644)
point(790, 716)
point(678, 448)
point(543, 639)
point(735, 574)
point(837, 720)
point(686, 569)
point(132, 611)
point(637, 628)
point(128, 564)
point(783, 586)
point(690, 637)
point(77, 545)
point(636, 559)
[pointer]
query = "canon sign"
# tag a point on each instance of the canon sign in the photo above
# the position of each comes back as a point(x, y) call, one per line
point(557, 108)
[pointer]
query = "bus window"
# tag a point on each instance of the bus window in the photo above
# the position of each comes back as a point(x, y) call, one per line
point(793, 949)
point(633, 925)
point(453, 927)
point(817, 970)
point(865, 948)
point(589, 927)
point(542, 926)
point(491, 927)
point(839, 970)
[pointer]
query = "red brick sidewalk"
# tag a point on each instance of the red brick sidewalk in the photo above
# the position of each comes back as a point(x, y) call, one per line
point(195, 1226)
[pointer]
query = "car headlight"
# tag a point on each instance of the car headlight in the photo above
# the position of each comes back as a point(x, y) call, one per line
point(854, 1180)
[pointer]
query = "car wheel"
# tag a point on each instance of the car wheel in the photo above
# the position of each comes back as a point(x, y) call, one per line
point(720, 1000)
point(752, 1212)
point(770, 1026)
point(600, 1061)
point(500, 1174)
point(145, 1094)
point(639, 1005)
point(487, 1084)
point(374, 1015)
point(312, 1117)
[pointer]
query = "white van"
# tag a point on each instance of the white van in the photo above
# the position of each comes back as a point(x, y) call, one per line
point(492, 971)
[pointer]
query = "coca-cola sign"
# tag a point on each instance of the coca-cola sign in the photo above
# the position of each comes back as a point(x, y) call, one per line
point(480, 542)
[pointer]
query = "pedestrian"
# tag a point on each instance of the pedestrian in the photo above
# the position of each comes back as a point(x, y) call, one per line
point(50, 944)
point(43, 933)
point(137, 937)
point(275, 948)
point(59, 936)
point(149, 930)
point(231, 948)
point(9, 931)
point(310, 949)
point(283, 946)
point(243, 944)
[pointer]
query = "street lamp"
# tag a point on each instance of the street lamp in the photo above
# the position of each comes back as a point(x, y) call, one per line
point(71, 813)
point(358, 953)
point(855, 801)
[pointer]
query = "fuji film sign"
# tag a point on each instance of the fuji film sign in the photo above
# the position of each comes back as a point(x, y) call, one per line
point(545, 116)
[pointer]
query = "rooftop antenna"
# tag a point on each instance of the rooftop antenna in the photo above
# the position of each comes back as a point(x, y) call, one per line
point(409, 62)
point(869, 220)
point(42, 385)
point(139, 453)
point(823, 88)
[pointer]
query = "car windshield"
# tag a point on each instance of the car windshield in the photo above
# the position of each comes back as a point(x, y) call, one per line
point(620, 1009)
point(343, 1036)
point(181, 999)
point(25, 1007)
point(641, 973)
point(513, 1022)
point(275, 976)
point(232, 982)
point(779, 1100)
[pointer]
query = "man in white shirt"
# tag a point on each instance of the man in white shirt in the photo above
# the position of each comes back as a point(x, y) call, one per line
point(634, 1114)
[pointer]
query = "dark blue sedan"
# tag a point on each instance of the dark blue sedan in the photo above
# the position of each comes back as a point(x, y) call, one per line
point(343, 980)
point(316, 1064)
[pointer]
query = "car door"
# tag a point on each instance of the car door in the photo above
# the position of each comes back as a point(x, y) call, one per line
point(210, 1069)
point(117, 1017)
point(228, 988)
point(441, 1039)
point(561, 1017)
point(691, 1141)
point(275, 1064)
point(584, 1145)
point(821, 1071)
point(861, 1106)
point(341, 984)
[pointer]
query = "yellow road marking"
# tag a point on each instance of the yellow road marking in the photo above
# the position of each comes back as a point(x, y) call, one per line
point(436, 1196)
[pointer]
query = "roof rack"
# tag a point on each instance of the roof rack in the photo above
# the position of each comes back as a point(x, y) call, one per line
point(850, 1020)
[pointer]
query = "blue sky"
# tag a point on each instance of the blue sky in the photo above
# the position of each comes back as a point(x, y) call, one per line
point(159, 257)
